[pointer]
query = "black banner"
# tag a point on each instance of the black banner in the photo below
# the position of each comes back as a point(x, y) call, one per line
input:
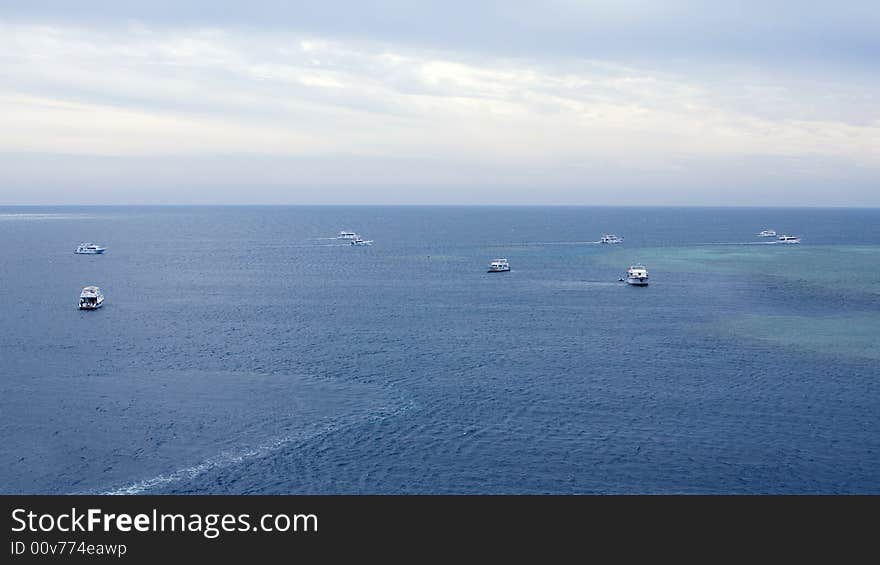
point(263, 528)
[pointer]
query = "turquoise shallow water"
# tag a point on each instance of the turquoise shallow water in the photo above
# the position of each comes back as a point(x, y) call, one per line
point(853, 335)
point(243, 350)
point(839, 268)
point(844, 274)
point(846, 322)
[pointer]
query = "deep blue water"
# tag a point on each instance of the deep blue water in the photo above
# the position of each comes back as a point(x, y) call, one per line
point(241, 350)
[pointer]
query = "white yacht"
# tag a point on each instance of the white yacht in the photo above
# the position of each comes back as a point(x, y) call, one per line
point(610, 238)
point(91, 298)
point(767, 233)
point(358, 241)
point(347, 235)
point(788, 239)
point(89, 249)
point(637, 275)
point(499, 266)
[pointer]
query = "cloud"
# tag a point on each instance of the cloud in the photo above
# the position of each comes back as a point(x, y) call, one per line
point(146, 92)
point(785, 31)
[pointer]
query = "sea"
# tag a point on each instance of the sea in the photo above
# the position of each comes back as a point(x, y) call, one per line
point(246, 350)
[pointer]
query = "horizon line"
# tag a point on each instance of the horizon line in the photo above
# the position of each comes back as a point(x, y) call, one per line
point(405, 205)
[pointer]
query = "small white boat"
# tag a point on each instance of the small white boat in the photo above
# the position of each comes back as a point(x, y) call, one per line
point(89, 249)
point(610, 238)
point(358, 241)
point(637, 275)
point(499, 266)
point(788, 239)
point(91, 298)
point(347, 235)
point(767, 233)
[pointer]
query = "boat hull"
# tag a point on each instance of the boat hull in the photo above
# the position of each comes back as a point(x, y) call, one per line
point(91, 306)
point(498, 271)
point(636, 281)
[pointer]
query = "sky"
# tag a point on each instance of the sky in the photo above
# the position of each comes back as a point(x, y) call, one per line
point(560, 102)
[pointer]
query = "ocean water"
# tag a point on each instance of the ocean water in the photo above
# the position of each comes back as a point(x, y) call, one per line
point(245, 350)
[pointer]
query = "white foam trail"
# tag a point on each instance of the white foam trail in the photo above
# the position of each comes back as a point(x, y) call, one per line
point(31, 216)
point(739, 243)
point(224, 459)
point(527, 243)
point(230, 458)
point(304, 245)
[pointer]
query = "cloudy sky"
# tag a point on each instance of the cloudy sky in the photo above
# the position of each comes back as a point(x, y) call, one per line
point(446, 102)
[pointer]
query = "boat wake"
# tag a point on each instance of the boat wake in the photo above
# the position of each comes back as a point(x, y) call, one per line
point(231, 458)
point(540, 243)
point(27, 216)
point(739, 243)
